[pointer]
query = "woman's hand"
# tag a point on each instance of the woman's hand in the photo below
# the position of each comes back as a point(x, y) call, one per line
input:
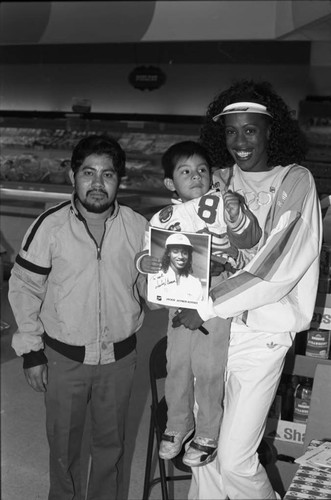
point(150, 265)
point(187, 317)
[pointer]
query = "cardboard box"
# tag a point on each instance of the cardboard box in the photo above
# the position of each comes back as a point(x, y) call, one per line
point(280, 475)
point(322, 313)
point(283, 430)
point(282, 470)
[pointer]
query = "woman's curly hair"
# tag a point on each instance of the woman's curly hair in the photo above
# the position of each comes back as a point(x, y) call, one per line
point(165, 262)
point(286, 144)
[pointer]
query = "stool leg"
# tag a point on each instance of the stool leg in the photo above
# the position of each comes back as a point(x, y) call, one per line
point(149, 459)
point(163, 475)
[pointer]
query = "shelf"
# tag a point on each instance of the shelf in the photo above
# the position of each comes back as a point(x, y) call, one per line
point(36, 148)
point(303, 366)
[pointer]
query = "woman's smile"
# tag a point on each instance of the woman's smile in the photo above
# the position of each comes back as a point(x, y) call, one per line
point(247, 137)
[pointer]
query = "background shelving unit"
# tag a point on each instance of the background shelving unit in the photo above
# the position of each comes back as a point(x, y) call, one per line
point(38, 146)
point(315, 121)
point(35, 151)
point(289, 440)
point(304, 366)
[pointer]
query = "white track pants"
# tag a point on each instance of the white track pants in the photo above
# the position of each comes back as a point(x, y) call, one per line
point(255, 363)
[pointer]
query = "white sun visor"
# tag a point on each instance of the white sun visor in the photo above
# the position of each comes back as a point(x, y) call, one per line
point(243, 107)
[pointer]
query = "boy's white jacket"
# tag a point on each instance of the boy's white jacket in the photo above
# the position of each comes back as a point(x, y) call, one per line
point(206, 214)
point(276, 290)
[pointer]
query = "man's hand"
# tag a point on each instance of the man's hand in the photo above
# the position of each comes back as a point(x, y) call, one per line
point(149, 264)
point(188, 318)
point(232, 205)
point(37, 377)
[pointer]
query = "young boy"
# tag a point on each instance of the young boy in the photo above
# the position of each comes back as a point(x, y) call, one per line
point(196, 362)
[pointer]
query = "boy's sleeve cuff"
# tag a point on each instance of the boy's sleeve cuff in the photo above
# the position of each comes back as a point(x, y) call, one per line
point(237, 223)
point(34, 358)
point(138, 261)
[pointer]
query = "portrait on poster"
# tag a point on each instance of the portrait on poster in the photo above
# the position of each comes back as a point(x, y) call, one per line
point(183, 280)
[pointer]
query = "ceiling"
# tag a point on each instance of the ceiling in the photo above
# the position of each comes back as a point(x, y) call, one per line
point(74, 22)
point(169, 32)
point(316, 31)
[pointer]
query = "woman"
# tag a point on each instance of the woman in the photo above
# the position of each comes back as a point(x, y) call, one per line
point(175, 280)
point(249, 131)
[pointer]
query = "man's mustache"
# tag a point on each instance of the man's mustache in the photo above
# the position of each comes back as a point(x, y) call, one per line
point(97, 191)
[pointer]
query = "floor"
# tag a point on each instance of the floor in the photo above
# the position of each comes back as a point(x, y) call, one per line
point(24, 450)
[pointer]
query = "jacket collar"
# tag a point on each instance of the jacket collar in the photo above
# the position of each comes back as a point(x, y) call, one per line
point(80, 216)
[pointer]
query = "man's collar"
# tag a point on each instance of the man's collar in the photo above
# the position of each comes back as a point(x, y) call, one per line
point(79, 214)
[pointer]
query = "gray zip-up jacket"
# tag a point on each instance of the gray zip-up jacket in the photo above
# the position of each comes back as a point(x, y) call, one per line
point(62, 283)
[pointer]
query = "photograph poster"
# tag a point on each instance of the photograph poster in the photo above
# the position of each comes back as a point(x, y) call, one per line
point(184, 277)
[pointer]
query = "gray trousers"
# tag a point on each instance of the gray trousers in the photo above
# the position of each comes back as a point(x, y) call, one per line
point(195, 371)
point(72, 386)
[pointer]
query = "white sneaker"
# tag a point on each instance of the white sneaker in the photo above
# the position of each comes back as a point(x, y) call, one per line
point(172, 443)
point(200, 452)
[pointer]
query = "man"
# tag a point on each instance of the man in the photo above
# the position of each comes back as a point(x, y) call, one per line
point(75, 290)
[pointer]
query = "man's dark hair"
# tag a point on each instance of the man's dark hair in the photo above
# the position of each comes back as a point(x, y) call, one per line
point(185, 149)
point(99, 145)
point(286, 144)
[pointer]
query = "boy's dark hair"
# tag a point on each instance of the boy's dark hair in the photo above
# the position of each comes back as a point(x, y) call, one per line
point(99, 145)
point(184, 149)
point(286, 144)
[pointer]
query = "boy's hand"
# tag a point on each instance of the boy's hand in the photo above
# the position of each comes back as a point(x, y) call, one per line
point(149, 264)
point(232, 205)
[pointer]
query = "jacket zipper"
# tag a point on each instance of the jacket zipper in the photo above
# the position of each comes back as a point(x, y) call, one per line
point(99, 279)
point(99, 273)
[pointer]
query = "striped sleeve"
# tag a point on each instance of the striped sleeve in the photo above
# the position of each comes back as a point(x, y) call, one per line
point(289, 250)
point(27, 288)
point(28, 281)
point(265, 267)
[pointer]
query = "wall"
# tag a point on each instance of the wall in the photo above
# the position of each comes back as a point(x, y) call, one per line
point(188, 90)
point(320, 68)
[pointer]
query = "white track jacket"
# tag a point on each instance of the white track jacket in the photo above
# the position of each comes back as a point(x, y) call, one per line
point(276, 291)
